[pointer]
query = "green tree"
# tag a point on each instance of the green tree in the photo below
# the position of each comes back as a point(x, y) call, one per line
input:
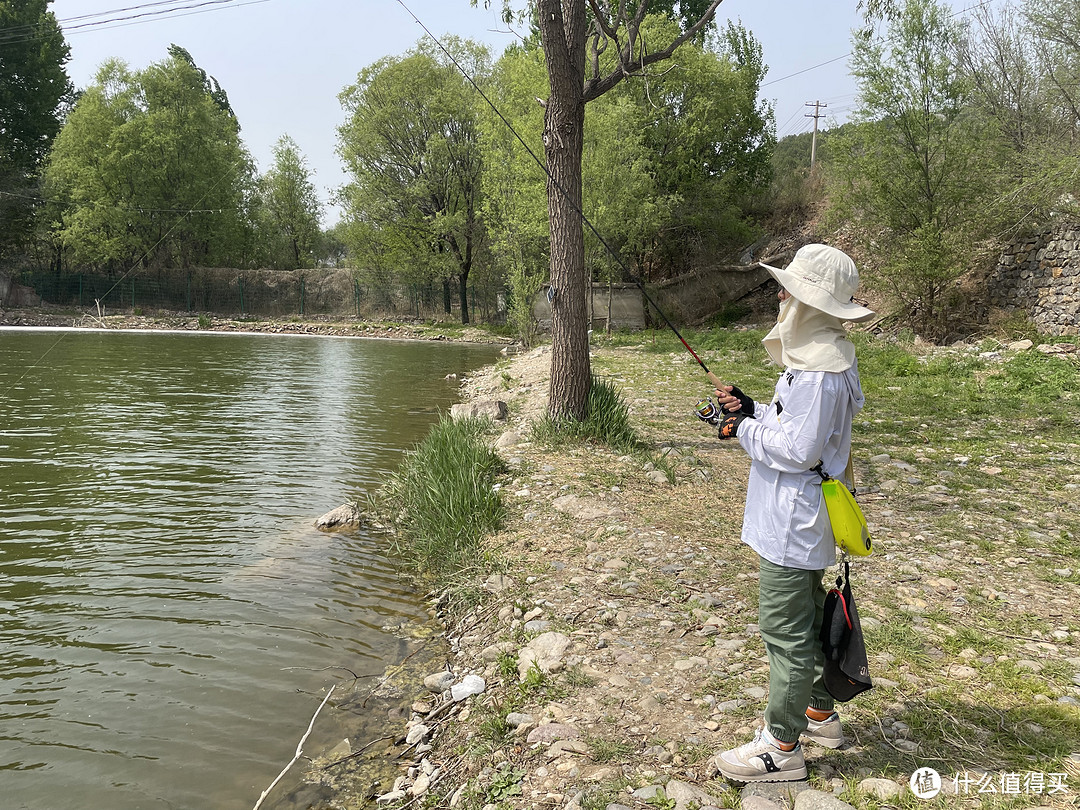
point(34, 87)
point(918, 177)
point(574, 48)
point(291, 208)
point(1057, 24)
point(411, 143)
point(514, 202)
point(709, 143)
point(153, 171)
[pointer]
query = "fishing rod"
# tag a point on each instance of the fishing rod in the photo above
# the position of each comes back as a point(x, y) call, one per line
point(566, 196)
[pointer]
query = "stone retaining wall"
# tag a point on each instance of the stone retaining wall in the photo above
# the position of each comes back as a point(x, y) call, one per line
point(1040, 276)
point(16, 295)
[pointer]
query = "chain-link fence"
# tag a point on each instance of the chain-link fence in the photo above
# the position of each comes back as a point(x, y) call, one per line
point(262, 293)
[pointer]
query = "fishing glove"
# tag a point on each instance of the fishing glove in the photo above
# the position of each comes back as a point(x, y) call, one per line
point(729, 426)
point(747, 404)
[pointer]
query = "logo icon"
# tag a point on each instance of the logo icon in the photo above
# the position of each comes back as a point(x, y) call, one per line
point(925, 783)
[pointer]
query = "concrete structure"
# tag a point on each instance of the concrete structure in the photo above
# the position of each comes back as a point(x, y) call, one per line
point(16, 295)
point(688, 299)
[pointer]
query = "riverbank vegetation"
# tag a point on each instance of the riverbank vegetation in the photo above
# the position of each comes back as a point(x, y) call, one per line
point(442, 500)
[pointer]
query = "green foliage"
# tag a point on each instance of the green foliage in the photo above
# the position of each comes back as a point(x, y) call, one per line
point(290, 209)
point(507, 665)
point(34, 86)
point(152, 169)
point(917, 177)
point(607, 420)
point(505, 784)
point(441, 499)
point(603, 749)
point(1040, 378)
point(411, 145)
point(523, 288)
point(686, 150)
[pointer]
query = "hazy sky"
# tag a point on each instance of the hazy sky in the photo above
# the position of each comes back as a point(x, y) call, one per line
point(283, 62)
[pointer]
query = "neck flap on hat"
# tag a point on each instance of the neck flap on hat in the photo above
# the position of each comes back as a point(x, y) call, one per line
point(808, 339)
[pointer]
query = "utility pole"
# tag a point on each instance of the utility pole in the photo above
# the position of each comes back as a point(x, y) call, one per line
point(817, 105)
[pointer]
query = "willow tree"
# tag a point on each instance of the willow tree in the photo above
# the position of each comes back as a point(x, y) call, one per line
point(411, 144)
point(153, 170)
point(290, 208)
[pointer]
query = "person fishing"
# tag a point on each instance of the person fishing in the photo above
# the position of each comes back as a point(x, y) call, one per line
point(785, 522)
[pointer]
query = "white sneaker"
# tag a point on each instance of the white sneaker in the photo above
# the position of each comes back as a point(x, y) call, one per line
point(762, 761)
point(828, 732)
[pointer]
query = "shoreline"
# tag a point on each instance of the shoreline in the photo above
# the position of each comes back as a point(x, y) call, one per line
point(310, 326)
point(623, 577)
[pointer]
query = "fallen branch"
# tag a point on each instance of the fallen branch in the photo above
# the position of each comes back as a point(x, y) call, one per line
point(355, 754)
point(299, 750)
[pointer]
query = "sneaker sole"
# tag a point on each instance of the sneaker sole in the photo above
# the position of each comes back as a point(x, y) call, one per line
point(826, 742)
point(780, 776)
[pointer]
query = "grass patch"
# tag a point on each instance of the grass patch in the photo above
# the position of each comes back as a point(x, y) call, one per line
point(607, 421)
point(604, 749)
point(442, 502)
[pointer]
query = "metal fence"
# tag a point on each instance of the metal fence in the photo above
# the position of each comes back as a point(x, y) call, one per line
point(259, 293)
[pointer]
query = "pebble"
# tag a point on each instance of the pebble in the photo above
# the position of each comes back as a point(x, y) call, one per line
point(416, 734)
point(439, 682)
point(884, 789)
point(470, 685)
point(518, 719)
point(549, 732)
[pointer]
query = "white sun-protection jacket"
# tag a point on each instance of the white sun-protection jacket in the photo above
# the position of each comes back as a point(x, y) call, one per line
point(809, 420)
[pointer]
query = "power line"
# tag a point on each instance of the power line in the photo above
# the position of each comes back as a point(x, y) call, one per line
point(16, 35)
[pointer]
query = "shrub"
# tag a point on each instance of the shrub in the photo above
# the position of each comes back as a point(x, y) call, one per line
point(441, 500)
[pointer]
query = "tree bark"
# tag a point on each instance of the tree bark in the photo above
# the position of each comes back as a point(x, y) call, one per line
point(463, 293)
point(564, 124)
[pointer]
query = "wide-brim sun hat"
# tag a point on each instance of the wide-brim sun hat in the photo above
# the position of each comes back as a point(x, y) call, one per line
point(824, 278)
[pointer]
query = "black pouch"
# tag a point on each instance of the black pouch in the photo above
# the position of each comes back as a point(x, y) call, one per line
point(847, 672)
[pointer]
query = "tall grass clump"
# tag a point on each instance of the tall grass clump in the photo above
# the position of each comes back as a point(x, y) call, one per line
point(442, 501)
point(607, 420)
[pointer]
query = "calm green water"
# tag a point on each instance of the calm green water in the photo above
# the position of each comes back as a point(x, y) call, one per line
point(164, 599)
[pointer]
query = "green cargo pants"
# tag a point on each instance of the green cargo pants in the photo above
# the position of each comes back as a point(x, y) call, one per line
point(790, 608)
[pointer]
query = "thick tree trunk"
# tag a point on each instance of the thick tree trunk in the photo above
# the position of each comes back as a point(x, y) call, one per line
point(448, 303)
point(564, 125)
point(463, 291)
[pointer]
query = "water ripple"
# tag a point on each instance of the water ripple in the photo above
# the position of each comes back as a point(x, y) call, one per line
point(165, 600)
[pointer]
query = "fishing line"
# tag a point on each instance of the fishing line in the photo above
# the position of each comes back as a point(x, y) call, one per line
point(566, 196)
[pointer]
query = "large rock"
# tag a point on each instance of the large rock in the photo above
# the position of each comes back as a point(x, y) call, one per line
point(550, 732)
point(819, 800)
point(509, 439)
point(685, 795)
point(483, 409)
point(883, 789)
point(546, 651)
point(343, 516)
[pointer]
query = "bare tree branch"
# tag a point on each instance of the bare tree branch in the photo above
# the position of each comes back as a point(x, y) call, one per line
point(628, 65)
